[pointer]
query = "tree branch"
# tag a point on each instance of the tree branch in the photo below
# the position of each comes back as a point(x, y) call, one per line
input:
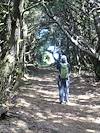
point(90, 51)
point(27, 9)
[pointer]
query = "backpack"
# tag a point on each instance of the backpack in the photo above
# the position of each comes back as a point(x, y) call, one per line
point(64, 71)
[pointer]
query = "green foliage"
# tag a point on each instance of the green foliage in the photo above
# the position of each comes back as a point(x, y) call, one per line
point(75, 17)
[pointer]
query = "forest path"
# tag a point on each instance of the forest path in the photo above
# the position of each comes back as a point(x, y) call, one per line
point(37, 108)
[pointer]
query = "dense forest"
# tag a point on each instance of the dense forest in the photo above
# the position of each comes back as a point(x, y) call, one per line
point(29, 27)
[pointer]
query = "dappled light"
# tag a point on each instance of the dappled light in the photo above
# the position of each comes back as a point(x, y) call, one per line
point(90, 131)
point(87, 96)
point(21, 124)
point(50, 66)
point(38, 110)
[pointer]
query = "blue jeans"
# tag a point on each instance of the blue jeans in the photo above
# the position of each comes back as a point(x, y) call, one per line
point(63, 85)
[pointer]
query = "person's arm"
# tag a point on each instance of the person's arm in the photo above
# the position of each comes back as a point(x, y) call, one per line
point(58, 65)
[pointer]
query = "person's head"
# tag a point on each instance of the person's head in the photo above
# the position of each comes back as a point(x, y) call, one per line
point(63, 59)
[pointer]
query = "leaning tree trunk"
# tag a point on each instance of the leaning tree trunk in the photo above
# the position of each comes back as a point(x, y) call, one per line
point(10, 68)
point(8, 63)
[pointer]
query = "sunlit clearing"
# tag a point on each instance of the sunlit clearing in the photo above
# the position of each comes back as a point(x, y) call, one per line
point(90, 131)
point(22, 102)
point(22, 124)
point(48, 58)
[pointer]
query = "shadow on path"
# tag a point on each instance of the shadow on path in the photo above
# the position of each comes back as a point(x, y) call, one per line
point(37, 109)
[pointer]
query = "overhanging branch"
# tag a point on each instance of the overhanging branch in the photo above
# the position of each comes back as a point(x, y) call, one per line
point(27, 9)
point(90, 51)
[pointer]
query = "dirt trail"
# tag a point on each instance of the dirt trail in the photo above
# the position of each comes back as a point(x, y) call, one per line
point(37, 109)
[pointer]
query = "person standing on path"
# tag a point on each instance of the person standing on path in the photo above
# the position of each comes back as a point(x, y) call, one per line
point(63, 79)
